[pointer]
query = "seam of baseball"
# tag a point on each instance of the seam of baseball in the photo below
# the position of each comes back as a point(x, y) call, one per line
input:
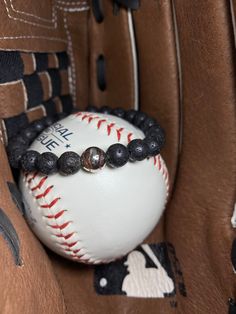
point(51, 213)
point(112, 127)
point(66, 247)
point(89, 117)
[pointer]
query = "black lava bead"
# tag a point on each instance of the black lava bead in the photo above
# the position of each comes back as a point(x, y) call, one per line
point(21, 140)
point(139, 118)
point(91, 109)
point(17, 142)
point(119, 112)
point(129, 115)
point(38, 125)
point(15, 156)
point(48, 121)
point(28, 133)
point(61, 115)
point(29, 160)
point(47, 163)
point(69, 163)
point(147, 123)
point(93, 158)
point(157, 132)
point(154, 128)
point(117, 155)
point(105, 109)
point(153, 146)
point(138, 150)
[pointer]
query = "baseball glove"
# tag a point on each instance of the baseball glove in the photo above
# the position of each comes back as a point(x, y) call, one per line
point(174, 60)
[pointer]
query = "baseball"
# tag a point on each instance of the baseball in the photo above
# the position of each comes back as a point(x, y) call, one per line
point(94, 217)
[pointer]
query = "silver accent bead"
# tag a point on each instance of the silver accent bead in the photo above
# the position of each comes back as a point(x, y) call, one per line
point(93, 159)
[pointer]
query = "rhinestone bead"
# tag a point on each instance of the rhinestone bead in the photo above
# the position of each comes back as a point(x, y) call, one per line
point(92, 159)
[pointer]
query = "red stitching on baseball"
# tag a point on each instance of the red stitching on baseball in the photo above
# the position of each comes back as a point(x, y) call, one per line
point(69, 244)
point(76, 251)
point(55, 216)
point(118, 131)
point(73, 251)
point(59, 214)
point(40, 184)
point(92, 118)
point(61, 227)
point(129, 137)
point(67, 236)
point(50, 205)
point(155, 160)
point(159, 162)
point(33, 177)
point(100, 122)
point(48, 190)
point(78, 257)
point(86, 116)
point(77, 114)
point(166, 174)
point(163, 173)
point(109, 127)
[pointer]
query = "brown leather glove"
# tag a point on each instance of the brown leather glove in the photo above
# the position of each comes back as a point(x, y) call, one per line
point(171, 59)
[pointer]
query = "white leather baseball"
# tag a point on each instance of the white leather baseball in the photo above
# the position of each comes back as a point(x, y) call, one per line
point(94, 217)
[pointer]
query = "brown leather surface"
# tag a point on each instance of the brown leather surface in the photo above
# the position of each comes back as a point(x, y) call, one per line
point(78, 288)
point(191, 93)
point(111, 39)
point(25, 27)
point(65, 90)
point(35, 113)
point(56, 26)
point(77, 35)
point(14, 97)
point(32, 287)
point(29, 63)
point(198, 218)
point(158, 72)
point(47, 92)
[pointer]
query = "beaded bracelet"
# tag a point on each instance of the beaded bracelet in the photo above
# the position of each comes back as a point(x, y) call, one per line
point(93, 158)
